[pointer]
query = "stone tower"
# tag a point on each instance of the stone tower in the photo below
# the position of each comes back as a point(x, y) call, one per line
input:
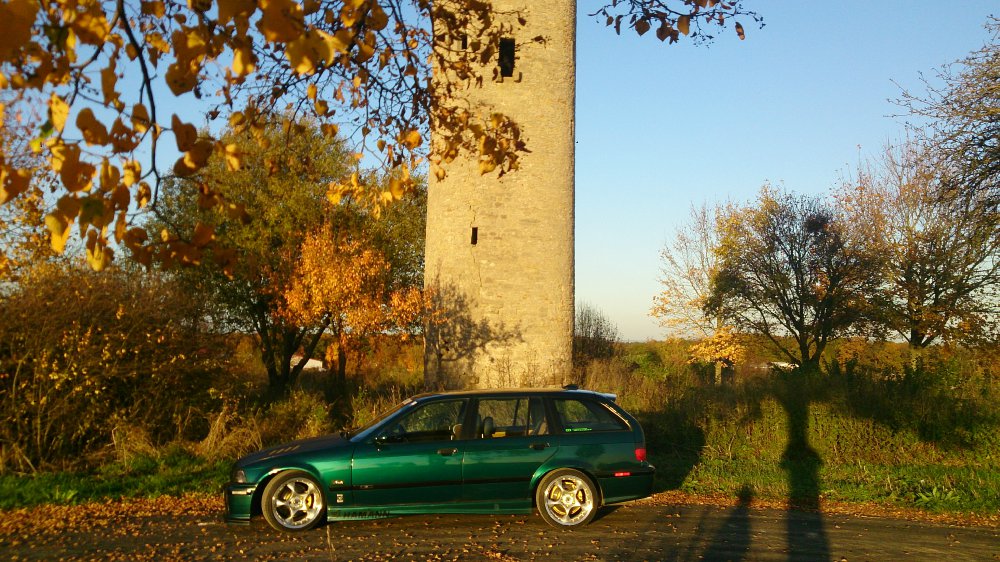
point(499, 253)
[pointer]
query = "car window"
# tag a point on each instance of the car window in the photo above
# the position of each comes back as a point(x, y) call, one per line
point(511, 417)
point(585, 415)
point(436, 421)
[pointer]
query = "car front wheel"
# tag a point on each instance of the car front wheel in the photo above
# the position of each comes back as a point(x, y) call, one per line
point(567, 498)
point(293, 501)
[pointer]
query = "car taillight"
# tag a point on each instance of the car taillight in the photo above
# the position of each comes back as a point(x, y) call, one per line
point(640, 454)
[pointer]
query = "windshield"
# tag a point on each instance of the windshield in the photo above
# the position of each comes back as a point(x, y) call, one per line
point(362, 433)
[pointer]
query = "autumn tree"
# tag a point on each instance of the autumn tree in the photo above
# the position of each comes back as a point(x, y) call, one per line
point(962, 116)
point(105, 70)
point(272, 203)
point(689, 262)
point(791, 268)
point(941, 249)
point(342, 283)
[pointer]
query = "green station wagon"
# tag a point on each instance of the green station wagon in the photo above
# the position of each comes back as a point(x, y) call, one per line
point(565, 452)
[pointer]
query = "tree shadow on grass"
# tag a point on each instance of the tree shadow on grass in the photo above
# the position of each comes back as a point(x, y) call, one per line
point(805, 531)
point(675, 443)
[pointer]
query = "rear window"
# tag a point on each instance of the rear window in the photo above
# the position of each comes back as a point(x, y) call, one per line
point(579, 416)
point(511, 417)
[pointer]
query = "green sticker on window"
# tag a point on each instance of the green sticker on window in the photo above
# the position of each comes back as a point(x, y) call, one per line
point(571, 429)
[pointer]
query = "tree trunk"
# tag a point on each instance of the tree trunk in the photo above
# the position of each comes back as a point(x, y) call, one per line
point(341, 365)
point(718, 364)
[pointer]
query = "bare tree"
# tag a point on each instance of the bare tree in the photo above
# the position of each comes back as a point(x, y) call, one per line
point(594, 335)
point(964, 116)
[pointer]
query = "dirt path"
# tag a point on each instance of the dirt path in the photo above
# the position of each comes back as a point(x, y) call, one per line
point(190, 529)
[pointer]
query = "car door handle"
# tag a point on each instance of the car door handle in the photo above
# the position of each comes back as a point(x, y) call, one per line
point(446, 452)
point(539, 446)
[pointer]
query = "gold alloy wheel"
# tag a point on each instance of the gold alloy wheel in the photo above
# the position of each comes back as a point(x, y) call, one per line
point(293, 502)
point(567, 499)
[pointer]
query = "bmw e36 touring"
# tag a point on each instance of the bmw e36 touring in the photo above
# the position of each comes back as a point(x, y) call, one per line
point(563, 452)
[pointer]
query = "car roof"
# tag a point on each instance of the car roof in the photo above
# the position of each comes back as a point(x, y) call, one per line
point(569, 390)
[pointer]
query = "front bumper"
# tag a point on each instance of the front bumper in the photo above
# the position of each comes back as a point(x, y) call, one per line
point(239, 502)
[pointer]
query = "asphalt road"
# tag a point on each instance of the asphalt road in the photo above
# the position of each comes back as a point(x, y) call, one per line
point(638, 531)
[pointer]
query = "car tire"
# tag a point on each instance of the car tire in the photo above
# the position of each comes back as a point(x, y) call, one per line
point(293, 501)
point(567, 498)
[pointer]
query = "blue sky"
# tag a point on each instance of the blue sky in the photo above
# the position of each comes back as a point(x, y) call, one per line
point(798, 103)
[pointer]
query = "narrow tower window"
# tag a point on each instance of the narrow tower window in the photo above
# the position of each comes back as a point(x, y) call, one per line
point(506, 57)
point(475, 235)
point(465, 42)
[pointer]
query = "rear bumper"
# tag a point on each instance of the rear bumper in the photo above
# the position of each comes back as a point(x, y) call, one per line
point(626, 486)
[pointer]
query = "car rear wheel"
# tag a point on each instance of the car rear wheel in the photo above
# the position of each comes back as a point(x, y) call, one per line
point(293, 501)
point(567, 498)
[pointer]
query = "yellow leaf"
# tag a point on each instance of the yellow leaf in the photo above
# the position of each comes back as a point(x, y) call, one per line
point(58, 111)
point(486, 166)
point(181, 78)
point(108, 81)
point(366, 49)
point(281, 20)
point(200, 5)
point(154, 8)
point(228, 9)
point(59, 229)
point(75, 175)
point(203, 234)
point(140, 118)
point(132, 172)
point(17, 16)
point(410, 139)
point(244, 61)
point(377, 19)
point(120, 198)
point(334, 193)
point(122, 138)
point(234, 157)
point(311, 92)
point(185, 133)
point(143, 194)
point(321, 107)
point(303, 53)
point(99, 255)
point(13, 182)
point(91, 26)
point(198, 156)
point(94, 132)
point(684, 24)
point(110, 175)
point(397, 188)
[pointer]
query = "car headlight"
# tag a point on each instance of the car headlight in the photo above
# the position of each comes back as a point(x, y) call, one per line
point(239, 476)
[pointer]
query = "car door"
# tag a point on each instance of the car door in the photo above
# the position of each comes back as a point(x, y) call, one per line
point(414, 459)
point(510, 442)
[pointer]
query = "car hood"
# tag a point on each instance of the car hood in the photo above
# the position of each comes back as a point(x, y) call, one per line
point(325, 442)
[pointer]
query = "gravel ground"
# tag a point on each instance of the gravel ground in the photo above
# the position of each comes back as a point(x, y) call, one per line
point(668, 527)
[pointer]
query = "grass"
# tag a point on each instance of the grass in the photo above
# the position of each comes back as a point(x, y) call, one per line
point(173, 473)
point(701, 448)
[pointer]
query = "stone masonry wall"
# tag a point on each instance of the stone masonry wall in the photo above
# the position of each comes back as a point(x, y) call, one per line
point(507, 300)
